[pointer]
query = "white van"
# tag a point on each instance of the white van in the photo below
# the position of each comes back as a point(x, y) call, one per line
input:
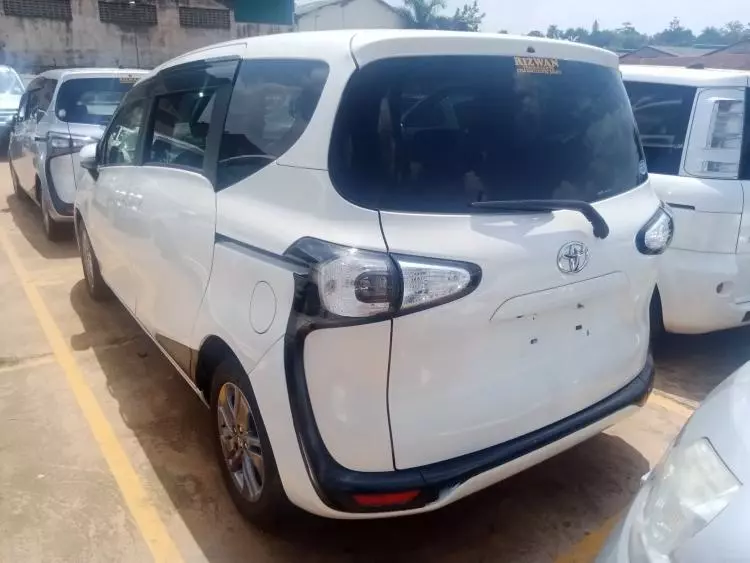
point(693, 125)
point(400, 266)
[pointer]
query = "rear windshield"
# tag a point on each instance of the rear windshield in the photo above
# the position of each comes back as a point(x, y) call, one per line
point(662, 112)
point(9, 82)
point(434, 134)
point(91, 100)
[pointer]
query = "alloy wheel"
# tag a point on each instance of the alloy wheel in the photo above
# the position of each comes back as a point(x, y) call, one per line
point(240, 441)
point(88, 258)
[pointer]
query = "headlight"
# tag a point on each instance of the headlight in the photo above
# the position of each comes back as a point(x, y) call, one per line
point(657, 233)
point(689, 488)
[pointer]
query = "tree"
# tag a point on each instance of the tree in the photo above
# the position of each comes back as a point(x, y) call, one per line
point(629, 38)
point(711, 36)
point(422, 14)
point(467, 18)
point(675, 35)
point(536, 33)
point(735, 31)
point(427, 14)
point(553, 32)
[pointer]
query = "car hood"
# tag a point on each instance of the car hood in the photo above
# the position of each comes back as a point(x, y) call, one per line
point(10, 101)
point(724, 418)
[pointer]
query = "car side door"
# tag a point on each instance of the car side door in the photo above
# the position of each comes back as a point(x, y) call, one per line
point(175, 204)
point(110, 219)
point(35, 137)
point(15, 145)
point(23, 145)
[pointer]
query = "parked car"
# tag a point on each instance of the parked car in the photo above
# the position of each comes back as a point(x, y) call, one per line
point(694, 128)
point(694, 505)
point(384, 314)
point(60, 112)
point(11, 89)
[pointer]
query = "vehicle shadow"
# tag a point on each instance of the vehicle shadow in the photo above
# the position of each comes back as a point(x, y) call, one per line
point(27, 217)
point(528, 518)
point(691, 366)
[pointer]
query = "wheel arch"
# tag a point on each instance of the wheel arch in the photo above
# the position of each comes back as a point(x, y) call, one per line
point(656, 314)
point(213, 351)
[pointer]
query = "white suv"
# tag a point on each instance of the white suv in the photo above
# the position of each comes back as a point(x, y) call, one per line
point(399, 266)
point(695, 129)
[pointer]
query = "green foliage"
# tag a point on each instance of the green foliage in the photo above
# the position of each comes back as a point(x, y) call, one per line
point(627, 37)
point(428, 14)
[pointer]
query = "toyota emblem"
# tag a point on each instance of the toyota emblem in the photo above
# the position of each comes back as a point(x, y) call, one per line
point(572, 258)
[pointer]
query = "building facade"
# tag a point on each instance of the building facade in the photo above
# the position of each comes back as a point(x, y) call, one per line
point(40, 34)
point(347, 14)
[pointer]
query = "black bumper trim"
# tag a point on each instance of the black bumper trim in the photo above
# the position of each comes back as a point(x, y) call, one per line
point(336, 484)
point(64, 209)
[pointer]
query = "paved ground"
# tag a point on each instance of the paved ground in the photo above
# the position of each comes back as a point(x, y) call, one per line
point(105, 455)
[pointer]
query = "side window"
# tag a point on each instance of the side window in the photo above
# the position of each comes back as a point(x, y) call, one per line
point(119, 146)
point(40, 97)
point(181, 122)
point(22, 107)
point(47, 93)
point(662, 112)
point(33, 97)
point(271, 106)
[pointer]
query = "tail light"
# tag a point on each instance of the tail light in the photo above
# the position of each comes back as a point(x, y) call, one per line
point(721, 157)
point(656, 235)
point(356, 283)
point(59, 144)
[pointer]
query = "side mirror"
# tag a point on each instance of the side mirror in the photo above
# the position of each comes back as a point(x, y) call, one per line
point(87, 157)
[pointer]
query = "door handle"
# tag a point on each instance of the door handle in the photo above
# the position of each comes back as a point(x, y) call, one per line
point(39, 139)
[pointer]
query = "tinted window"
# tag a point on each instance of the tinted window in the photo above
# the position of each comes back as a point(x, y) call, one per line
point(435, 134)
point(119, 147)
point(9, 82)
point(90, 100)
point(181, 123)
point(662, 112)
point(40, 97)
point(271, 105)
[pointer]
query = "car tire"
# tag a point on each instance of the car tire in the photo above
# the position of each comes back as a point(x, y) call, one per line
point(95, 284)
point(243, 449)
point(53, 230)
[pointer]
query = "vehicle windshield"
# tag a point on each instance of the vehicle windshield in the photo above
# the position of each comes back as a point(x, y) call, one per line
point(91, 100)
point(435, 134)
point(10, 83)
point(662, 112)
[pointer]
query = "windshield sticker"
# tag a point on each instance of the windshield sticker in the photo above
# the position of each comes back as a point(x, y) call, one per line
point(537, 65)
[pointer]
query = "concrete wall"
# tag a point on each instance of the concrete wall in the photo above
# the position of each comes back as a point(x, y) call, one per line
point(32, 44)
point(355, 14)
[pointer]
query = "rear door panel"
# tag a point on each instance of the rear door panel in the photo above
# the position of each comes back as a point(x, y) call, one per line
point(531, 345)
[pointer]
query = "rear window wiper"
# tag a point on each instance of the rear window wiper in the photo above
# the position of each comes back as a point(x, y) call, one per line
point(601, 229)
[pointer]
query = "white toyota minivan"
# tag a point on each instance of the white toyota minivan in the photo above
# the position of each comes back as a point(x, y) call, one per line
point(694, 128)
point(399, 266)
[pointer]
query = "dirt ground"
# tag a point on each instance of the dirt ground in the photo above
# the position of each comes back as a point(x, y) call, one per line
point(106, 456)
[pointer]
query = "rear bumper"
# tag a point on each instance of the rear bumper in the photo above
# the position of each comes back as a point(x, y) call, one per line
point(703, 291)
point(446, 481)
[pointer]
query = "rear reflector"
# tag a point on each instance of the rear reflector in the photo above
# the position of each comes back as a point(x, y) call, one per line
point(386, 499)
